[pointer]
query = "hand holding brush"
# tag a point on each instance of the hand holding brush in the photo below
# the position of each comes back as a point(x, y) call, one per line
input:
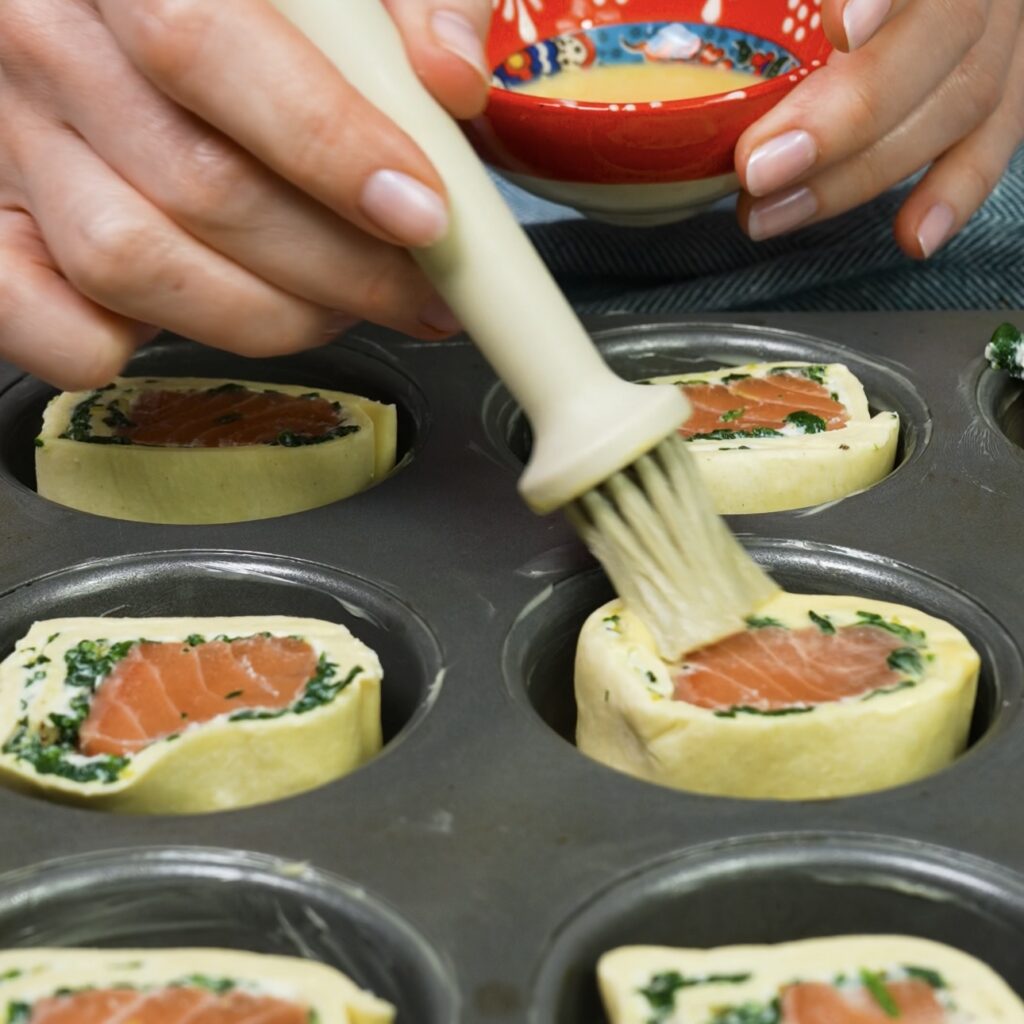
point(605, 449)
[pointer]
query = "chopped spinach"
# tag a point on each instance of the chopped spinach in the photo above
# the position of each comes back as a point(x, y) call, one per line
point(750, 1013)
point(874, 982)
point(10, 975)
point(116, 418)
point(807, 422)
point(730, 378)
point(823, 622)
point(50, 748)
point(52, 759)
point(219, 986)
point(743, 709)
point(906, 659)
point(289, 439)
point(660, 992)
point(18, 1013)
point(815, 372)
point(80, 422)
point(1006, 350)
point(912, 636)
point(927, 975)
point(763, 622)
point(735, 435)
point(320, 690)
point(732, 414)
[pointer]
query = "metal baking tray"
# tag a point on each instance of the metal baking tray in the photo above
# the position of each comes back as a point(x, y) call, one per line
point(479, 866)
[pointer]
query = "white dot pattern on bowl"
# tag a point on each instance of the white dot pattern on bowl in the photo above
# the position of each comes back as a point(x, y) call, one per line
point(522, 12)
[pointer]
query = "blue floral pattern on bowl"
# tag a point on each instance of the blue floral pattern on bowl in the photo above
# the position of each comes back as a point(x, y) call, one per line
point(708, 45)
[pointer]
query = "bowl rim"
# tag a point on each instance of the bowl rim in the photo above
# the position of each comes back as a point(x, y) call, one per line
point(512, 99)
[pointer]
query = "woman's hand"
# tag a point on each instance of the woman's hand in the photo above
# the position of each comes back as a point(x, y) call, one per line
point(200, 166)
point(912, 82)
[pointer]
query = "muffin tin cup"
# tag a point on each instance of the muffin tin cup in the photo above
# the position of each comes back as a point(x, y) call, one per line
point(540, 648)
point(784, 888)
point(195, 898)
point(479, 822)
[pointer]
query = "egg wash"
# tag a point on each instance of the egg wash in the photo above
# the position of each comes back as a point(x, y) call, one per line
point(639, 83)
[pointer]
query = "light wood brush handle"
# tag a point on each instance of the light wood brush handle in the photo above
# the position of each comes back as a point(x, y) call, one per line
point(587, 423)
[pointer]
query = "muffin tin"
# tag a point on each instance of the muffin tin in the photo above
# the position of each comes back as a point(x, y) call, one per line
point(475, 870)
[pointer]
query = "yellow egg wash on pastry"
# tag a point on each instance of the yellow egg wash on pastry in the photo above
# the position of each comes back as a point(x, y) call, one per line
point(92, 455)
point(185, 715)
point(843, 980)
point(805, 461)
point(683, 726)
point(45, 983)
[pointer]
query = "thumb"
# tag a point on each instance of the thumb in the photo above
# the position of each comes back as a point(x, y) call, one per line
point(445, 42)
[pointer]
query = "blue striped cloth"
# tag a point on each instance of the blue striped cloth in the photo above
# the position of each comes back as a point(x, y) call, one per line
point(707, 264)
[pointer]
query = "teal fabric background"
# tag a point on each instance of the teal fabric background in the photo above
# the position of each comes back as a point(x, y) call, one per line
point(707, 264)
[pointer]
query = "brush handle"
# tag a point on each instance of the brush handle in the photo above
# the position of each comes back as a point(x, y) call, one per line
point(587, 422)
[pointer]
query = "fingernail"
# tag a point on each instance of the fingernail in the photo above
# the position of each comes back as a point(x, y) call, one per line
point(776, 163)
point(781, 213)
point(405, 208)
point(935, 228)
point(437, 316)
point(456, 34)
point(862, 19)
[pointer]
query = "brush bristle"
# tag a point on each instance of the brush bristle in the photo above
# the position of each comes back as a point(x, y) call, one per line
point(670, 556)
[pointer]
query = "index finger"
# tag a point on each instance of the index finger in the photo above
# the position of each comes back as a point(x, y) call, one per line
point(858, 98)
point(241, 66)
point(445, 42)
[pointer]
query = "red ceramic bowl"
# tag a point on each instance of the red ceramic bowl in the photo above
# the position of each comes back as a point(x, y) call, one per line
point(637, 162)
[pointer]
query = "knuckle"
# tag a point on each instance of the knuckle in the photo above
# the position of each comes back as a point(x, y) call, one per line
point(389, 296)
point(323, 136)
point(980, 178)
point(108, 253)
point(166, 33)
point(973, 19)
point(31, 50)
point(861, 113)
point(985, 87)
point(211, 186)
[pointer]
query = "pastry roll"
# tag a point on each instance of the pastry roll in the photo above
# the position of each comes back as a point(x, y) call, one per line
point(184, 715)
point(775, 436)
point(820, 696)
point(158, 986)
point(193, 450)
point(862, 979)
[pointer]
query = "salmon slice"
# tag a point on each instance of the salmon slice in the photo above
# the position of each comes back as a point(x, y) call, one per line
point(759, 402)
point(158, 689)
point(816, 1003)
point(168, 1006)
point(224, 417)
point(774, 668)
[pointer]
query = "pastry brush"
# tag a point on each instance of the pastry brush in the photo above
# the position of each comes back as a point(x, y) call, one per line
point(605, 449)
